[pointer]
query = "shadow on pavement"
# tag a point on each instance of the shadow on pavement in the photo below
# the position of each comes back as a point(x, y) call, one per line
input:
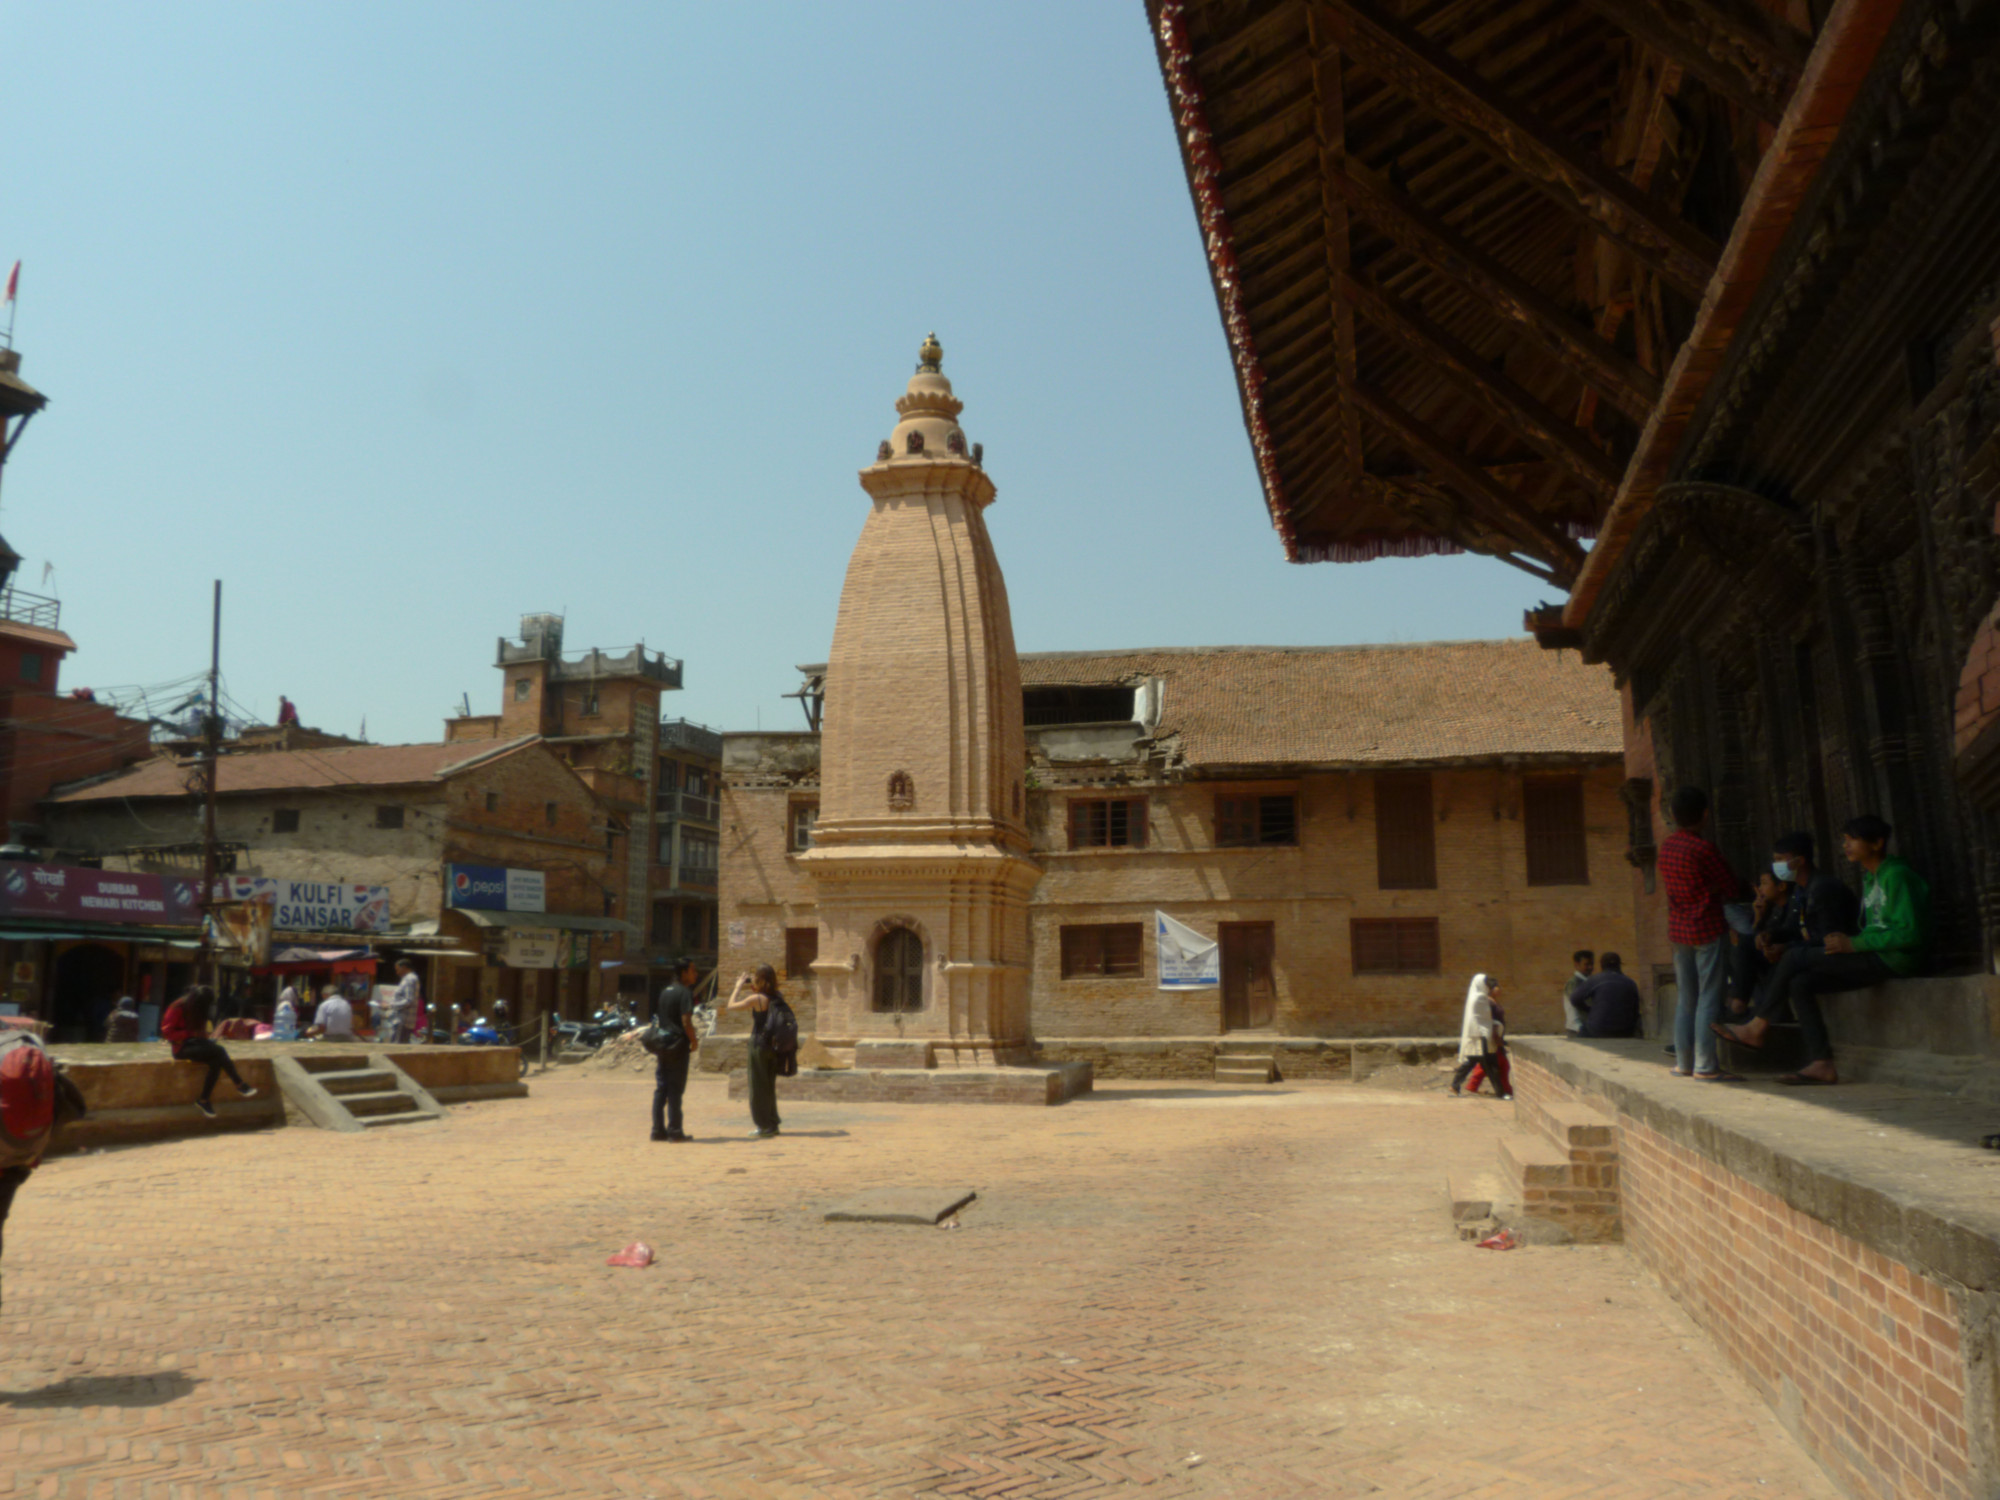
point(1112, 1096)
point(106, 1390)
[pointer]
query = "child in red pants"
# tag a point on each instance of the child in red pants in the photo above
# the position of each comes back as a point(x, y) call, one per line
point(1504, 1084)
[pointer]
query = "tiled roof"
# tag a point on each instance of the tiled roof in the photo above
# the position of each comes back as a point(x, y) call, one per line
point(304, 770)
point(1362, 705)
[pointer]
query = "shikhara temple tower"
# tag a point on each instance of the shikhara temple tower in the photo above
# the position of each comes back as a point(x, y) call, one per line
point(920, 856)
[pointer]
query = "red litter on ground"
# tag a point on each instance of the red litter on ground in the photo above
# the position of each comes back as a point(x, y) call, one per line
point(1504, 1240)
point(635, 1254)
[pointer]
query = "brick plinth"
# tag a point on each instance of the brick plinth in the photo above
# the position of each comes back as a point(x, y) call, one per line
point(1862, 1353)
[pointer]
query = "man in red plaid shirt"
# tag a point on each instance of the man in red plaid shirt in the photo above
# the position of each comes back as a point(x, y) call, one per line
point(1698, 881)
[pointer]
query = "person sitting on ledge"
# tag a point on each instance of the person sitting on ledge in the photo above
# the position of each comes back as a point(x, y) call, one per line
point(1609, 1002)
point(1893, 943)
point(1585, 962)
point(1752, 952)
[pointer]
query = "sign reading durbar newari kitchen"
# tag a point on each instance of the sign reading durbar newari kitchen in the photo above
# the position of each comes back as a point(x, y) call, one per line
point(70, 893)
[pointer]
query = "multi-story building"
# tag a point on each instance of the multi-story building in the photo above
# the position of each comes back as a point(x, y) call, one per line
point(1359, 829)
point(687, 843)
point(600, 712)
point(46, 737)
point(425, 825)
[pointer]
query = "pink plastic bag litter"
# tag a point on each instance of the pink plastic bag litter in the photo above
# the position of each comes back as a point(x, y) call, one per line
point(1504, 1240)
point(634, 1254)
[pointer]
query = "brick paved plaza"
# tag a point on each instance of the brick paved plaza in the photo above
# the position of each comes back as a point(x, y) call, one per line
point(1266, 1280)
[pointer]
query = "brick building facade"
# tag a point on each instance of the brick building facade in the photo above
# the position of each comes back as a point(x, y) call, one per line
point(599, 712)
point(390, 815)
point(1360, 828)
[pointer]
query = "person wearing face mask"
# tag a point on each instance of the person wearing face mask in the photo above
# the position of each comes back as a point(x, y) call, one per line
point(1893, 942)
point(1753, 951)
point(1820, 906)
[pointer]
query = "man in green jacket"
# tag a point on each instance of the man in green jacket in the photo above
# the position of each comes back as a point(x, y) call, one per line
point(1893, 943)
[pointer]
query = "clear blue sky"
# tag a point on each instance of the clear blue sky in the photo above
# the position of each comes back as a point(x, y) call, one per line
point(405, 320)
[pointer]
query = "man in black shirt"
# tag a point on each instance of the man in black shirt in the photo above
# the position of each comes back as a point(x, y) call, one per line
point(1821, 904)
point(673, 1045)
point(1609, 1002)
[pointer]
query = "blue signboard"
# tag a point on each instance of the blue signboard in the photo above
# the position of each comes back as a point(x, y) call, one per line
point(492, 888)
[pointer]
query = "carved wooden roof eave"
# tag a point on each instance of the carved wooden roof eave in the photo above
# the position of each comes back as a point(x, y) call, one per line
point(1311, 488)
point(1786, 240)
point(1737, 533)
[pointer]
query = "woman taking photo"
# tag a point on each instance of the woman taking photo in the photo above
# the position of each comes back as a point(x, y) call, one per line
point(763, 989)
point(185, 1029)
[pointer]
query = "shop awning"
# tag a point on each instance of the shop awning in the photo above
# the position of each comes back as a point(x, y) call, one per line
point(545, 919)
point(52, 935)
point(292, 955)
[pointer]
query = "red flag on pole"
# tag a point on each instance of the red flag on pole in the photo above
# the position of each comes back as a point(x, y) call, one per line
point(13, 282)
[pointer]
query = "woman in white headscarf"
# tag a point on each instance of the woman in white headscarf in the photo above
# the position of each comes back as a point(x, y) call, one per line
point(1479, 1035)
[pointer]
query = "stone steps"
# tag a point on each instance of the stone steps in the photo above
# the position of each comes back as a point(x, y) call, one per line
point(351, 1094)
point(1238, 1064)
point(1561, 1165)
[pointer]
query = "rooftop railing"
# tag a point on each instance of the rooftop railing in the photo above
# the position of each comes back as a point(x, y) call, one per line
point(24, 608)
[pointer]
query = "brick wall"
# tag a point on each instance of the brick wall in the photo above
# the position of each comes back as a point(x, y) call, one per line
point(1860, 1355)
point(763, 891)
point(1489, 917)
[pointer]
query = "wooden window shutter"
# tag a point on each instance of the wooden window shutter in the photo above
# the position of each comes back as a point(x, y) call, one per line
point(1136, 822)
point(1405, 832)
point(1552, 822)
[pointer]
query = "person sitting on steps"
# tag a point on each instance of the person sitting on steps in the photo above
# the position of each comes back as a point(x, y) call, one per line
point(1893, 943)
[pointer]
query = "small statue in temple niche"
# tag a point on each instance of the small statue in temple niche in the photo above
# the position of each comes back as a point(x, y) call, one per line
point(883, 451)
point(916, 442)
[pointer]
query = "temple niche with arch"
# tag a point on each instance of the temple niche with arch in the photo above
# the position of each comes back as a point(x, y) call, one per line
point(919, 859)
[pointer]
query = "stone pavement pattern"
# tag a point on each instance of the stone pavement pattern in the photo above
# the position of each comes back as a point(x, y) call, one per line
point(1266, 1280)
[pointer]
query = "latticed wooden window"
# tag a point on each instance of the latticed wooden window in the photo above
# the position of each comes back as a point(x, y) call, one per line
point(1405, 832)
point(1552, 818)
point(1245, 822)
point(801, 948)
point(1107, 823)
point(1394, 945)
point(1104, 950)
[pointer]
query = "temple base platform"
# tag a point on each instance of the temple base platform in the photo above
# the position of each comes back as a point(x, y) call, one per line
point(946, 1085)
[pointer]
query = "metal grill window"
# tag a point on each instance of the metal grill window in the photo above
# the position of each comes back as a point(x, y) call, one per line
point(1394, 945)
point(1107, 823)
point(1104, 950)
point(1246, 822)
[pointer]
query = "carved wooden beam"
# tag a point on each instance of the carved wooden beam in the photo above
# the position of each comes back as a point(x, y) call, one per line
point(1330, 121)
point(1484, 493)
point(1758, 37)
point(1422, 234)
point(1415, 505)
point(1764, 91)
point(1438, 82)
point(1504, 400)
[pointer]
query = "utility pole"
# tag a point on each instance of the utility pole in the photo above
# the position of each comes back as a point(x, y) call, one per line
point(211, 746)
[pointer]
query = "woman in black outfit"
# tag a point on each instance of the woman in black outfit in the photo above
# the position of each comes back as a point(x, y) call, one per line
point(763, 1062)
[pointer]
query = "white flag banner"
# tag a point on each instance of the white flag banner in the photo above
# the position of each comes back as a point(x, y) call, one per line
point(1188, 961)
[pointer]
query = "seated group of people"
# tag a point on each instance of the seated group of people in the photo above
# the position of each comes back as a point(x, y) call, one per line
point(1599, 999)
point(1805, 935)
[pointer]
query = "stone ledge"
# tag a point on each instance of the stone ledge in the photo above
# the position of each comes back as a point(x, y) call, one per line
point(1897, 1170)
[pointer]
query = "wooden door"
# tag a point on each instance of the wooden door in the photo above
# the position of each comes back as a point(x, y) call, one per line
point(899, 972)
point(1249, 996)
